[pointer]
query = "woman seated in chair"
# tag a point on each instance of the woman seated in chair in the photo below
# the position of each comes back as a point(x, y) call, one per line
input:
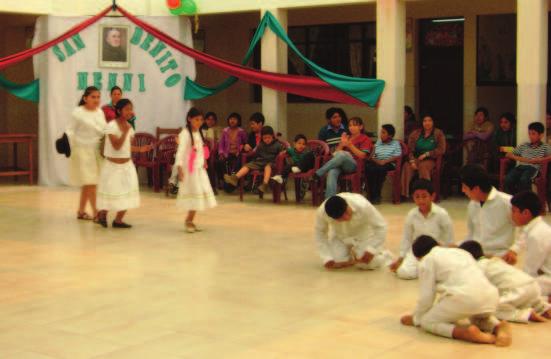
point(504, 136)
point(357, 145)
point(425, 145)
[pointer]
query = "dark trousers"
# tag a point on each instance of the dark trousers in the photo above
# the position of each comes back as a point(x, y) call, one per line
point(520, 179)
point(305, 164)
point(375, 176)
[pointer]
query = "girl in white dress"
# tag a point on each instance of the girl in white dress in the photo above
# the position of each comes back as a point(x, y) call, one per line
point(118, 188)
point(195, 192)
point(85, 132)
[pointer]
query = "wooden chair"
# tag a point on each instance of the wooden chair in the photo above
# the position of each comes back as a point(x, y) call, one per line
point(246, 157)
point(320, 150)
point(166, 151)
point(146, 159)
point(540, 181)
point(167, 131)
point(396, 174)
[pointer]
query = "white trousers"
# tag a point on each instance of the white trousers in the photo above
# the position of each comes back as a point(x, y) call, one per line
point(544, 281)
point(516, 305)
point(441, 319)
point(409, 267)
point(342, 252)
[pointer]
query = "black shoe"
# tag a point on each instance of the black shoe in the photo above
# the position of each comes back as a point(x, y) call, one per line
point(101, 220)
point(120, 225)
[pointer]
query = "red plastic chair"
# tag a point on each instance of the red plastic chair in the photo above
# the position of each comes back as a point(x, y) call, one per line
point(540, 181)
point(320, 150)
point(247, 157)
point(145, 159)
point(396, 174)
point(354, 179)
point(166, 151)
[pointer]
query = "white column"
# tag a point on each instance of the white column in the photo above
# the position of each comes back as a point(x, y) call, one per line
point(273, 58)
point(469, 71)
point(531, 64)
point(391, 62)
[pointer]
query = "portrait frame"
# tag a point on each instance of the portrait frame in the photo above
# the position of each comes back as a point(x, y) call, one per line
point(109, 56)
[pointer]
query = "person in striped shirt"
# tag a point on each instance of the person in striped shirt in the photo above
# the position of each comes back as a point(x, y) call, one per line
point(387, 151)
point(336, 127)
point(529, 156)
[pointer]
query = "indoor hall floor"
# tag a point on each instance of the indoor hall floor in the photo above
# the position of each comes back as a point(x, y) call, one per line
point(250, 285)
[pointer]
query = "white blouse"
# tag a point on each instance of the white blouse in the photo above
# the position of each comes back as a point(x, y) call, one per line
point(86, 127)
point(113, 128)
point(185, 148)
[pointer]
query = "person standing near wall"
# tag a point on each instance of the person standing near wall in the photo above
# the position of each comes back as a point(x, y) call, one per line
point(85, 132)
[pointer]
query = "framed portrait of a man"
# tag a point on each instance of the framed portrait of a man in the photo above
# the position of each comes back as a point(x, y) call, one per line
point(114, 46)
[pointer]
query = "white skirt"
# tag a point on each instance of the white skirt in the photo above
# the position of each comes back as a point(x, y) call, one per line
point(195, 192)
point(118, 187)
point(85, 165)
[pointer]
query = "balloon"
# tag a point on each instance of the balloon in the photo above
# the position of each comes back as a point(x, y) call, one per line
point(179, 7)
point(173, 4)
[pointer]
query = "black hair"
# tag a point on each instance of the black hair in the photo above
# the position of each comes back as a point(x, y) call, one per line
point(484, 110)
point(300, 136)
point(423, 245)
point(409, 111)
point(87, 93)
point(509, 117)
point(258, 118)
point(473, 175)
point(234, 115)
point(333, 110)
point(358, 121)
point(527, 200)
point(123, 102)
point(211, 114)
point(115, 88)
point(422, 185)
point(536, 126)
point(389, 129)
point(267, 130)
point(474, 248)
point(193, 112)
point(335, 207)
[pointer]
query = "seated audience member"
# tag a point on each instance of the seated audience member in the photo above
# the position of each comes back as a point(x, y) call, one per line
point(529, 157)
point(387, 151)
point(452, 288)
point(425, 144)
point(350, 147)
point(256, 122)
point(350, 231)
point(336, 126)
point(476, 140)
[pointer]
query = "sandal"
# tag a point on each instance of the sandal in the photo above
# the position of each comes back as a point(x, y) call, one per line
point(84, 216)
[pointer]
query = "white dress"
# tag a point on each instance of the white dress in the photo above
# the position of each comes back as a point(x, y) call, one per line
point(194, 192)
point(118, 187)
point(85, 131)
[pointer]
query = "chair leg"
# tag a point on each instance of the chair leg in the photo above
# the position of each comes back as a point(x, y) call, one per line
point(297, 190)
point(241, 184)
point(156, 178)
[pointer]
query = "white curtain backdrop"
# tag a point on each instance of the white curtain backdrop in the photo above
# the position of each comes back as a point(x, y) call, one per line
point(155, 103)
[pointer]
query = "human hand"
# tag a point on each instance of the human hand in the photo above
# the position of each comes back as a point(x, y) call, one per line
point(345, 140)
point(396, 264)
point(339, 265)
point(180, 174)
point(247, 148)
point(413, 165)
point(407, 320)
point(510, 257)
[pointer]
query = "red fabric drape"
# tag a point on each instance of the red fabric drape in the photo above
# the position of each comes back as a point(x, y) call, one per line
point(300, 85)
point(23, 55)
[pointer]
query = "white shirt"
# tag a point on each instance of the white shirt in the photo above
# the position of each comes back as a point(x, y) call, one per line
point(491, 225)
point(503, 275)
point(537, 237)
point(125, 151)
point(86, 128)
point(437, 224)
point(453, 272)
point(366, 229)
point(185, 148)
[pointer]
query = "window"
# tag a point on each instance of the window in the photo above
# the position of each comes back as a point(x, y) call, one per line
point(346, 49)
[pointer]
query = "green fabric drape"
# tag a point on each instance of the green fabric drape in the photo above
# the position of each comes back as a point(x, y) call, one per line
point(365, 90)
point(29, 91)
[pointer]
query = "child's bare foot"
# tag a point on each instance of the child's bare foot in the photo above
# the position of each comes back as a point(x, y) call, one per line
point(190, 227)
point(473, 334)
point(503, 334)
point(263, 187)
point(535, 317)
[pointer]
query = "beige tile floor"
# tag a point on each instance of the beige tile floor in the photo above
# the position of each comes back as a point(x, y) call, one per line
point(249, 286)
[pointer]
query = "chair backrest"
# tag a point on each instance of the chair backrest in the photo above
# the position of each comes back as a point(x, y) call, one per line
point(167, 131)
point(166, 149)
point(405, 148)
point(144, 139)
point(320, 148)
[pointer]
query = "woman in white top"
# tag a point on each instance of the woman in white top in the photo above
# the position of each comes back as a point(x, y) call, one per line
point(85, 132)
point(195, 192)
point(118, 187)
